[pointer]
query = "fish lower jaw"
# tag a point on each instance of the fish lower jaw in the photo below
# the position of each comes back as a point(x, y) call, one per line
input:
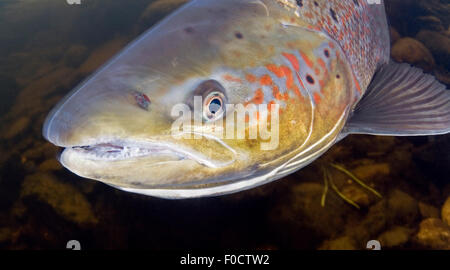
point(121, 150)
point(127, 150)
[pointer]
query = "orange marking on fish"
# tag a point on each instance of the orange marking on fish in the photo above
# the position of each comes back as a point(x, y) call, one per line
point(250, 78)
point(358, 87)
point(293, 60)
point(317, 71)
point(230, 78)
point(275, 70)
point(276, 92)
point(321, 83)
point(269, 106)
point(317, 98)
point(308, 62)
point(259, 97)
point(265, 80)
point(289, 79)
point(331, 44)
point(297, 91)
point(322, 64)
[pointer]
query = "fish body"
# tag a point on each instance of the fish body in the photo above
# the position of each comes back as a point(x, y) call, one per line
point(306, 66)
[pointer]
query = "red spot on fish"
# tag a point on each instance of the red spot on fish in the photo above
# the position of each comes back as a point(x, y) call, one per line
point(293, 60)
point(276, 92)
point(288, 73)
point(358, 87)
point(250, 78)
point(259, 97)
point(317, 98)
point(266, 80)
point(275, 70)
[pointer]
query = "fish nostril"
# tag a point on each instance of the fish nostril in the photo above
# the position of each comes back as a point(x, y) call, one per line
point(142, 100)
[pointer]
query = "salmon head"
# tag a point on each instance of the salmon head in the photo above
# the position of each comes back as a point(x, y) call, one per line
point(219, 97)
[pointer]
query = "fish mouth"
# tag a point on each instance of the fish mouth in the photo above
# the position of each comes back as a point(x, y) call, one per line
point(126, 150)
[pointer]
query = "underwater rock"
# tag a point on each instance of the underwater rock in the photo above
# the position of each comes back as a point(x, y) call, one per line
point(50, 165)
point(40, 150)
point(17, 127)
point(357, 195)
point(438, 44)
point(369, 171)
point(413, 52)
point(445, 213)
point(395, 237)
point(66, 200)
point(403, 209)
point(428, 211)
point(303, 209)
point(433, 233)
point(372, 225)
point(341, 243)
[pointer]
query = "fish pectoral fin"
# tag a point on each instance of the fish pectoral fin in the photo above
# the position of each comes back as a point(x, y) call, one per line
point(402, 101)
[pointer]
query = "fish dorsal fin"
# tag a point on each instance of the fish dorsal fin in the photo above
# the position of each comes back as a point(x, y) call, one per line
point(402, 101)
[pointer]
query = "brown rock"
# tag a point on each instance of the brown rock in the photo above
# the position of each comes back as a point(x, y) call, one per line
point(64, 198)
point(17, 127)
point(402, 207)
point(428, 211)
point(433, 233)
point(369, 171)
point(413, 52)
point(438, 44)
point(395, 237)
point(357, 195)
point(445, 213)
point(50, 165)
point(341, 243)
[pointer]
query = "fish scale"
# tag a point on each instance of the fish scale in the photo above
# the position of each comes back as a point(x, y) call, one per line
point(359, 28)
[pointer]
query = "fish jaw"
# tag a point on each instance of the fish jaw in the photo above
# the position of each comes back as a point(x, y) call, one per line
point(142, 164)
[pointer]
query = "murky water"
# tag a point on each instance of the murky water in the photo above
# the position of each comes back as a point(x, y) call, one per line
point(48, 46)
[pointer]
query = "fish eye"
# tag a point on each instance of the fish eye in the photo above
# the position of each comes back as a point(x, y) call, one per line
point(213, 107)
point(214, 99)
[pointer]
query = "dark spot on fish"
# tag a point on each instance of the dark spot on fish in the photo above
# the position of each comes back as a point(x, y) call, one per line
point(356, 2)
point(310, 79)
point(333, 14)
point(338, 76)
point(327, 53)
point(239, 35)
point(189, 30)
point(142, 100)
point(316, 4)
point(300, 3)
